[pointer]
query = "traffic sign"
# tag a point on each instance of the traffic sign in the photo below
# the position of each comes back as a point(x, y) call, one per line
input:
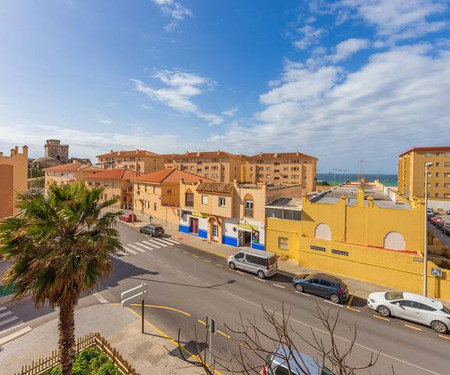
point(436, 272)
point(210, 324)
point(130, 295)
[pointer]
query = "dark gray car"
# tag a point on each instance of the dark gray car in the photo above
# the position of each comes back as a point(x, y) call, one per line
point(323, 285)
point(152, 230)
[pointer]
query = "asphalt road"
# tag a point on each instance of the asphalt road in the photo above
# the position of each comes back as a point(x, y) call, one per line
point(185, 285)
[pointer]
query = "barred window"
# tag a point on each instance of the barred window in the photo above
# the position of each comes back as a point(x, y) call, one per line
point(340, 252)
point(283, 243)
point(317, 248)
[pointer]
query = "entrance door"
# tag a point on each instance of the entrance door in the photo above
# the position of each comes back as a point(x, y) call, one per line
point(194, 225)
point(245, 238)
point(215, 232)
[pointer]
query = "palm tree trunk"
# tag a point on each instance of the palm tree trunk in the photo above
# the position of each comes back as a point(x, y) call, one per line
point(66, 341)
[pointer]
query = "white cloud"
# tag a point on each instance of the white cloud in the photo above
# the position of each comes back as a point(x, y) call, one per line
point(230, 112)
point(175, 10)
point(310, 36)
point(180, 88)
point(398, 100)
point(347, 48)
point(395, 19)
point(105, 122)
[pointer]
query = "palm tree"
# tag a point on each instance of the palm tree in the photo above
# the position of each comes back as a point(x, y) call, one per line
point(60, 246)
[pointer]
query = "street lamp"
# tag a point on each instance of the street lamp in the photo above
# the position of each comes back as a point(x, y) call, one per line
point(425, 244)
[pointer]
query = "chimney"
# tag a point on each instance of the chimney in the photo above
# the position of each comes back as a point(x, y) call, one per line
point(360, 198)
point(11, 152)
point(218, 152)
point(198, 153)
point(118, 152)
point(137, 151)
point(111, 151)
point(187, 152)
point(297, 153)
point(25, 150)
point(260, 154)
point(275, 154)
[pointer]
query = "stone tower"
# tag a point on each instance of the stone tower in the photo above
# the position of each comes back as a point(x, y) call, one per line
point(54, 149)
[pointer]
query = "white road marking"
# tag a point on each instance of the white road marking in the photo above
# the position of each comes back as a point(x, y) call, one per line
point(115, 256)
point(279, 286)
point(336, 336)
point(332, 303)
point(219, 265)
point(179, 271)
point(240, 272)
point(192, 277)
point(100, 298)
point(159, 242)
point(12, 328)
point(168, 266)
point(5, 314)
point(173, 241)
point(152, 244)
point(303, 294)
point(129, 250)
point(14, 335)
point(6, 321)
point(137, 248)
point(257, 278)
point(146, 247)
point(163, 240)
point(2, 308)
point(176, 249)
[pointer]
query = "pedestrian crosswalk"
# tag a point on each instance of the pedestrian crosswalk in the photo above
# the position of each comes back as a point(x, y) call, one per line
point(152, 243)
point(10, 325)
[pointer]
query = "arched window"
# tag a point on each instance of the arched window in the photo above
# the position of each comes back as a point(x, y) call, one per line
point(248, 205)
point(189, 199)
point(394, 241)
point(323, 231)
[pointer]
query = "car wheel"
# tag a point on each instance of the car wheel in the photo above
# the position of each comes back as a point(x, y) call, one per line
point(334, 298)
point(261, 274)
point(299, 287)
point(439, 326)
point(232, 266)
point(383, 311)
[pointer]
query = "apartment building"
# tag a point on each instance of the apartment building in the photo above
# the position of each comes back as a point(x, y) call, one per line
point(157, 194)
point(13, 179)
point(229, 213)
point(140, 161)
point(68, 173)
point(281, 168)
point(411, 175)
point(117, 184)
point(219, 165)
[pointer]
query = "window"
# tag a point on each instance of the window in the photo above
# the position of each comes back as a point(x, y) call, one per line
point(437, 164)
point(317, 248)
point(214, 167)
point(325, 283)
point(206, 167)
point(155, 206)
point(294, 176)
point(267, 168)
point(189, 200)
point(340, 252)
point(222, 202)
point(191, 167)
point(295, 168)
point(436, 184)
point(169, 191)
point(214, 175)
point(425, 307)
point(239, 256)
point(268, 176)
point(248, 212)
point(281, 370)
point(283, 243)
point(436, 174)
point(446, 164)
point(215, 230)
point(204, 199)
point(285, 168)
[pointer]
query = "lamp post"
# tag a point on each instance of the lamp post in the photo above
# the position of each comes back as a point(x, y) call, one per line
point(425, 244)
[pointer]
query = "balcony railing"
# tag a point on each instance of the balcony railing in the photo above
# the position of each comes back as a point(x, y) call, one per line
point(248, 212)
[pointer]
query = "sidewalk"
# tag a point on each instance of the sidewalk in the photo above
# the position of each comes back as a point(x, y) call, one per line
point(290, 267)
point(146, 352)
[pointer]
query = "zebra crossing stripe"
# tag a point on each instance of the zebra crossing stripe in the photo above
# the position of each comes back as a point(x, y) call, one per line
point(156, 246)
point(144, 246)
point(171, 241)
point(2, 308)
point(129, 250)
point(160, 242)
point(137, 248)
point(2, 315)
point(165, 241)
point(6, 321)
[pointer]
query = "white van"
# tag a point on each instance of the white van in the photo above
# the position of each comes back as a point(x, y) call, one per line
point(262, 263)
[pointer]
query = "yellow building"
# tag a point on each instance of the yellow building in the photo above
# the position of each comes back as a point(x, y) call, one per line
point(219, 165)
point(411, 175)
point(356, 230)
point(140, 161)
point(229, 213)
point(157, 194)
point(13, 179)
point(68, 173)
point(117, 184)
point(281, 168)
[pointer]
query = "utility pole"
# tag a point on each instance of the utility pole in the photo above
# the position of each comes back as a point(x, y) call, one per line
point(425, 234)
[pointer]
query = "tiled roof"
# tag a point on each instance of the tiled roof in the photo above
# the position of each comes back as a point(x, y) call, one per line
point(170, 175)
point(215, 187)
point(128, 153)
point(111, 174)
point(69, 167)
point(445, 148)
point(279, 155)
point(206, 154)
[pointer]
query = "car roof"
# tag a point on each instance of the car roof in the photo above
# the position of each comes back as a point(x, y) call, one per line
point(422, 299)
point(302, 359)
point(325, 276)
point(260, 253)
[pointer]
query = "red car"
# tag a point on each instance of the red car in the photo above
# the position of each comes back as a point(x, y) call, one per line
point(129, 218)
point(436, 220)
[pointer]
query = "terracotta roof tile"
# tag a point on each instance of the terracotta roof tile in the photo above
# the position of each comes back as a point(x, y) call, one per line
point(170, 175)
point(128, 153)
point(445, 148)
point(279, 155)
point(69, 167)
point(111, 174)
point(215, 187)
point(206, 154)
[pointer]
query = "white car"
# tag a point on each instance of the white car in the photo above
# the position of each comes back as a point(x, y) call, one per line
point(413, 307)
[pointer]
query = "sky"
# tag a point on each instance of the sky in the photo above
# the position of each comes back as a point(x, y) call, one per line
point(343, 80)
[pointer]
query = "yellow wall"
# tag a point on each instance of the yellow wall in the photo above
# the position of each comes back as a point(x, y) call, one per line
point(290, 229)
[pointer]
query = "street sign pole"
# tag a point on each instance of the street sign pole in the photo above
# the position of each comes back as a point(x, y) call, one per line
point(133, 294)
point(142, 315)
point(211, 328)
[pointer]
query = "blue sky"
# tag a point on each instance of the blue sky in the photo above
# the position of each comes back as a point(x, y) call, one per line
point(341, 80)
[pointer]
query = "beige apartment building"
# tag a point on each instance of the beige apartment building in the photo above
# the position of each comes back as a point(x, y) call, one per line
point(281, 168)
point(219, 165)
point(13, 179)
point(157, 194)
point(411, 175)
point(140, 161)
point(117, 184)
point(68, 173)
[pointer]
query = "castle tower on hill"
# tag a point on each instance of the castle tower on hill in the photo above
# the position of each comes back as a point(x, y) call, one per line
point(54, 149)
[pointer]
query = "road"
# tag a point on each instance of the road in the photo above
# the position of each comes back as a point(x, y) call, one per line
point(186, 284)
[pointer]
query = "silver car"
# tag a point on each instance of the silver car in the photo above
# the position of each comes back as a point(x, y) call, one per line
point(263, 263)
point(413, 307)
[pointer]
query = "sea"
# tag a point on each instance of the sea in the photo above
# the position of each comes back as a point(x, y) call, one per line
point(336, 178)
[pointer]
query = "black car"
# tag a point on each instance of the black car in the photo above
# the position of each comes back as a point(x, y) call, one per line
point(152, 230)
point(323, 285)
point(446, 230)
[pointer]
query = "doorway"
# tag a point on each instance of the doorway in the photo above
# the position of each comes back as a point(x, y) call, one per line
point(215, 232)
point(194, 226)
point(245, 239)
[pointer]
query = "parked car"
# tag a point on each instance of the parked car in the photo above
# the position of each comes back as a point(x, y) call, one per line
point(323, 285)
point(282, 360)
point(437, 221)
point(447, 212)
point(263, 263)
point(446, 230)
point(129, 218)
point(429, 210)
point(413, 307)
point(152, 230)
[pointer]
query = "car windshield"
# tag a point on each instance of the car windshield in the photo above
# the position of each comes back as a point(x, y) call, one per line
point(445, 310)
point(393, 295)
point(158, 228)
